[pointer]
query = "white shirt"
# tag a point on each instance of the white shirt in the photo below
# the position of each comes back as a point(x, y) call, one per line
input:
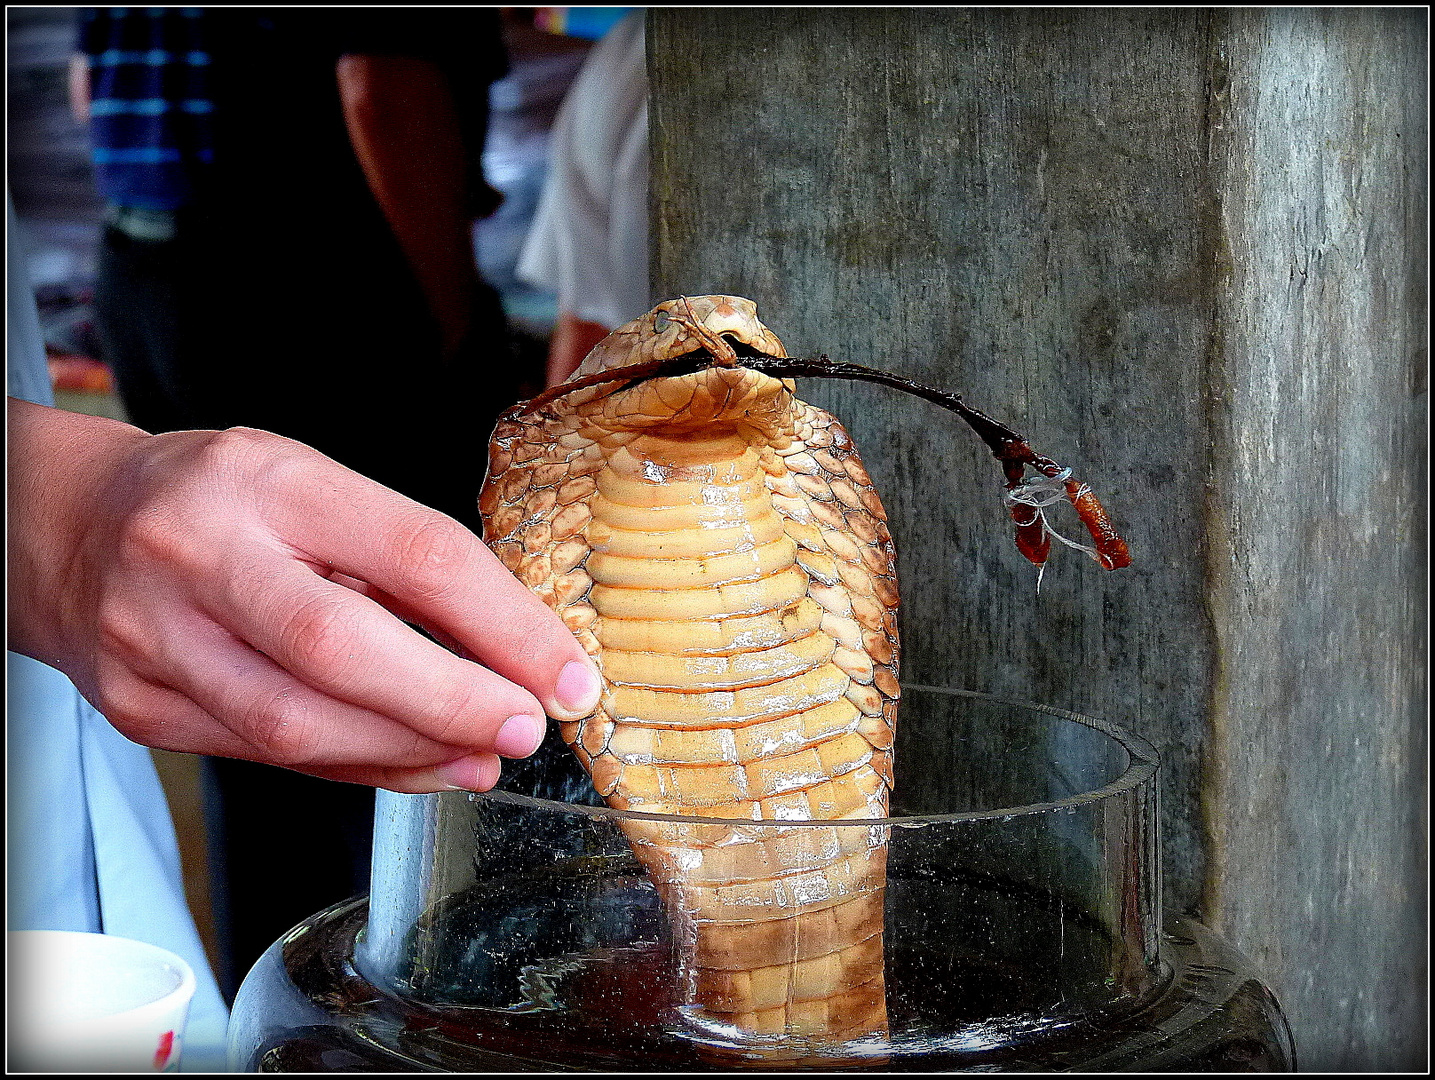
point(589, 238)
point(90, 842)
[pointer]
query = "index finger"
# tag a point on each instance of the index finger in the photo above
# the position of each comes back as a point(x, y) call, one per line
point(448, 577)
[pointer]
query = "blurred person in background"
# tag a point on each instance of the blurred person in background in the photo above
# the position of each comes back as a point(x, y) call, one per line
point(589, 239)
point(289, 200)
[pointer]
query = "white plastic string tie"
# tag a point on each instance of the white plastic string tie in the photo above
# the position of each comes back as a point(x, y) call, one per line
point(1072, 543)
point(1040, 491)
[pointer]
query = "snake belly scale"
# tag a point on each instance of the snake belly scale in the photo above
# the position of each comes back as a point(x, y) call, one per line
point(718, 548)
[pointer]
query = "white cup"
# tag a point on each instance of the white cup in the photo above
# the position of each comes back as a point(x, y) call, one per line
point(94, 1003)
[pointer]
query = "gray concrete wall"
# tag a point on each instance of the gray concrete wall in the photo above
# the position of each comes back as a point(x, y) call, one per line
point(1181, 251)
point(1315, 524)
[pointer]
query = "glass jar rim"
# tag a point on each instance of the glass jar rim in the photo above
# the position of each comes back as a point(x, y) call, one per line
point(1141, 766)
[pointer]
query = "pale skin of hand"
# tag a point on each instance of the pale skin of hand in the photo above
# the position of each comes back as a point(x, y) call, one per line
point(234, 593)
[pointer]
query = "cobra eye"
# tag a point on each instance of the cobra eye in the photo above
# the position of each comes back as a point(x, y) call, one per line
point(661, 321)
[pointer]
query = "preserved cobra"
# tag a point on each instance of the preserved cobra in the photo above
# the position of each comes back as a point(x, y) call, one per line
point(718, 548)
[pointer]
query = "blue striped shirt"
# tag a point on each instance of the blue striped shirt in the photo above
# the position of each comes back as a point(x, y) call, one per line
point(150, 103)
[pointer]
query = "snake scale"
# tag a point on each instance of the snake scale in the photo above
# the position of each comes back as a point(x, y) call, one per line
point(718, 548)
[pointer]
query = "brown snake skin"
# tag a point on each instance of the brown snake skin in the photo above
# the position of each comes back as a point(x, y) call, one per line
point(718, 548)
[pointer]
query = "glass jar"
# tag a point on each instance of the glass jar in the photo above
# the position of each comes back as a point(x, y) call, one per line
point(1020, 926)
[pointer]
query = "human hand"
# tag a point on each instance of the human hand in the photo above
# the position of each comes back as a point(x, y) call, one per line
point(235, 593)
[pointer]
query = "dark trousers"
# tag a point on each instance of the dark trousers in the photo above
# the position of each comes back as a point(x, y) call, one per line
point(325, 339)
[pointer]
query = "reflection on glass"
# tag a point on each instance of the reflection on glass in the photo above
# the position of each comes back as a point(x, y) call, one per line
point(1018, 899)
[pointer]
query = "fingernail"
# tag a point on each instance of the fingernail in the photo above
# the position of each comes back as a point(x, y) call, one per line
point(477, 772)
point(519, 736)
point(578, 689)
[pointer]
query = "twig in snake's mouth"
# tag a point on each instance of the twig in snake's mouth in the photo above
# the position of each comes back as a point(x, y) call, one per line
point(1033, 534)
